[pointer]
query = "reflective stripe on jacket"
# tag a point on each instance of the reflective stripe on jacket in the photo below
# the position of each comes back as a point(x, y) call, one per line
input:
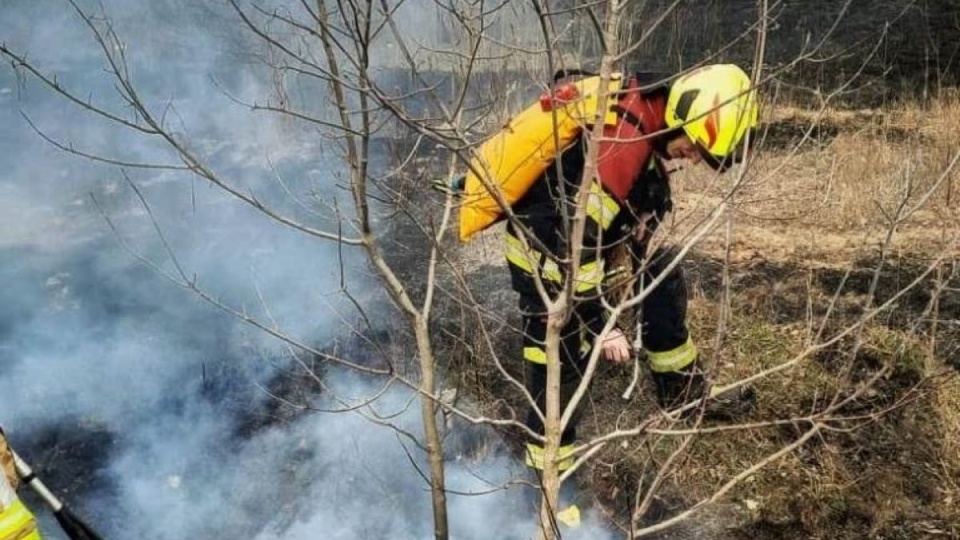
point(16, 521)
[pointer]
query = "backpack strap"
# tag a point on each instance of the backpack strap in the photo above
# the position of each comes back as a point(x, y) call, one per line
point(628, 116)
point(647, 85)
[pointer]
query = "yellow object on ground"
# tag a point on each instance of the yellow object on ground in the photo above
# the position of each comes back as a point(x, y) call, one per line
point(570, 516)
point(514, 158)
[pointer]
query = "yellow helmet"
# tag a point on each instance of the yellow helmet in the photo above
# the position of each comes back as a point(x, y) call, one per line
point(716, 106)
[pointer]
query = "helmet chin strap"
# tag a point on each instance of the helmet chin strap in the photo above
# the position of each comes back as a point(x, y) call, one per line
point(715, 163)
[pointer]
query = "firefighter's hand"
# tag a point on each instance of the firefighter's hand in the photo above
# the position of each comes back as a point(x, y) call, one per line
point(615, 347)
point(640, 231)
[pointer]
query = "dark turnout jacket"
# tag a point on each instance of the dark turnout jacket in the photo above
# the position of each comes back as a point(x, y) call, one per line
point(630, 180)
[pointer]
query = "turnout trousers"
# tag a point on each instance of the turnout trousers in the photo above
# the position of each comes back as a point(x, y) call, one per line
point(670, 351)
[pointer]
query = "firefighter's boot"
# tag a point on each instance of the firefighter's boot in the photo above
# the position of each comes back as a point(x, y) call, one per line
point(730, 404)
point(688, 385)
point(677, 388)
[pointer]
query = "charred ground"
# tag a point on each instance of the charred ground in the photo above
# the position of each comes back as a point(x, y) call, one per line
point(800, 271)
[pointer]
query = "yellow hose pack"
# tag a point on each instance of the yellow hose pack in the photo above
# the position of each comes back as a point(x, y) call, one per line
point(512, 160)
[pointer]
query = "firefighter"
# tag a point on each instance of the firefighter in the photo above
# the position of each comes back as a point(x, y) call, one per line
point(16, 521)
point(704, 116)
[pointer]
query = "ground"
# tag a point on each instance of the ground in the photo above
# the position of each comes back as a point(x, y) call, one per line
point(809, 249)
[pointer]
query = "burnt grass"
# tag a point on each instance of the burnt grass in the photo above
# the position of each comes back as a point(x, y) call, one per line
point(877, 474)
point(882, 472)
point(881, 476)
point(885, 451)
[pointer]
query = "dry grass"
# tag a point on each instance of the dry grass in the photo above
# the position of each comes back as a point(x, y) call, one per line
point(840, 186)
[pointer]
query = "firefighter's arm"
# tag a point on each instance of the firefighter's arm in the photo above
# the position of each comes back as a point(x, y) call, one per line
point(589, 287)
point(614, 347)
point(623, 155)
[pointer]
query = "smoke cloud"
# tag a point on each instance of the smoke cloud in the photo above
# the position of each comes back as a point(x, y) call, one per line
point(142, 403)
